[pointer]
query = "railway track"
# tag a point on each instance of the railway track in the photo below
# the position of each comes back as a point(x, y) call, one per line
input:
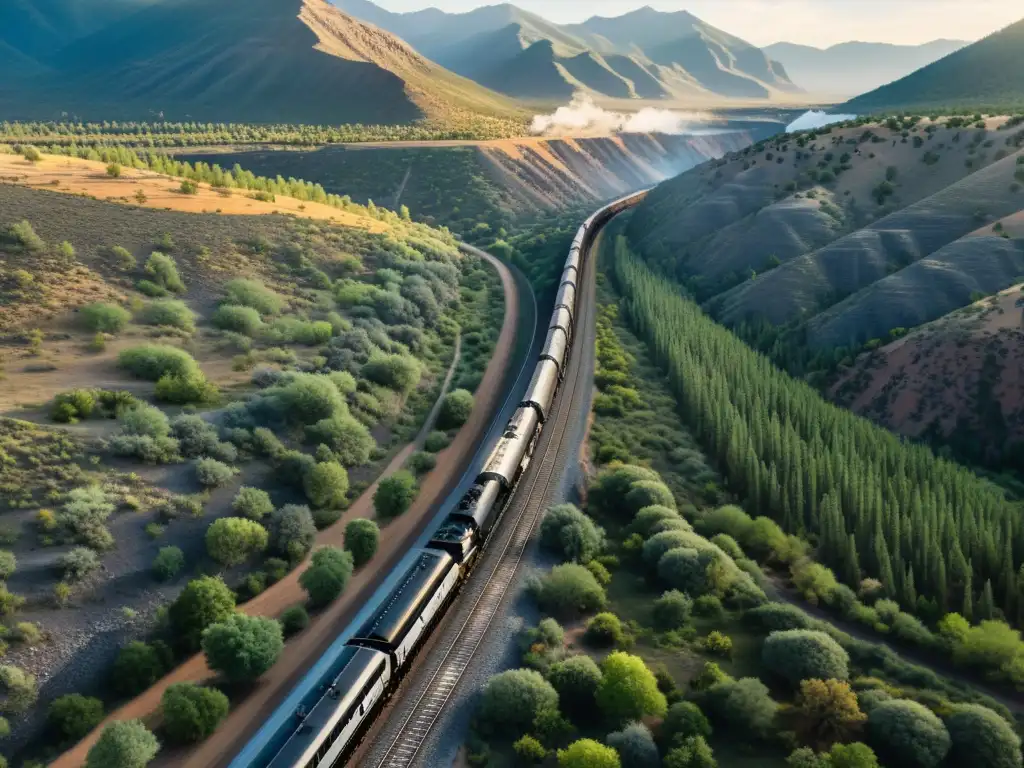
point(429, 689)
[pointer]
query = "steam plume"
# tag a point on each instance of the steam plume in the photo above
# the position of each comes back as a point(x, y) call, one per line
point(583, 117)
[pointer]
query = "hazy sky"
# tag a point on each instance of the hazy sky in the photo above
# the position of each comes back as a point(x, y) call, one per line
point(812, 22)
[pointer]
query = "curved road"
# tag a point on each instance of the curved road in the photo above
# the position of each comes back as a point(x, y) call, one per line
point(304, 650)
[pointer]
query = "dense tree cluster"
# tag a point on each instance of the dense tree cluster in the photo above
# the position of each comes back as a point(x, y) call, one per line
point(925, 527)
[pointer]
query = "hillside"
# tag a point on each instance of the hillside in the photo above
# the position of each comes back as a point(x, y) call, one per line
point(853, 68)
point(98, 297)
point(246, 66)
point(817, 245)
point(988, 73)
point(493, 183)
point(956, 380)
point(642, 54)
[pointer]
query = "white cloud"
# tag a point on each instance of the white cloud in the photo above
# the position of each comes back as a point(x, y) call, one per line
point(583, 117)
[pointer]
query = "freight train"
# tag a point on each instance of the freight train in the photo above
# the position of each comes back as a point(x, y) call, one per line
point(331, 720)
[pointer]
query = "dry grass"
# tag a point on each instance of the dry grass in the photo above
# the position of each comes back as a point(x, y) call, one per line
point(90, 178)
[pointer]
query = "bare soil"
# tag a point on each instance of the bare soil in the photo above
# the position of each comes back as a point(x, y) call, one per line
point(249, 713)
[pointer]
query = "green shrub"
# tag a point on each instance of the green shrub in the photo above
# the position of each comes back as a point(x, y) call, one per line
point(292, 531)
point(294, 620)
point(587, 753)
point(180, 390)
point(8, 564)
point(192, 712)
point(327, 575)
point(213, 474)
point(672, 610)
point(102, 317)
point(568, 590)
point(153, 361)
point(802, 654)
point(253, 503)
point(604, 631)
point(137, 667)
point(123, 258)
point(168, 312)
point(455, 409)
point(72, 716)
point(649, 517)
point(683, 720)
point(168, 563)
point(570, 533)
point(743, 705)
point(398, 372)
point(906, 733)
point(243, 647)
point(203, 602)
point(361, 539)
point(635, 745)
point(436, 441)
point(78, 564)
point(245, 320)
point(628, 689)
point(123, 744)
point(981, 737)
point(233, 540)
point(395, 494)
point(576, 680)
point(422, 462)
point(254, 294)
point(511, 700)
point(326, 485)
point(163, 271)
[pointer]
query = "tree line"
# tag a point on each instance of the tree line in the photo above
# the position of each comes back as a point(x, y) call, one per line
point(938, 537)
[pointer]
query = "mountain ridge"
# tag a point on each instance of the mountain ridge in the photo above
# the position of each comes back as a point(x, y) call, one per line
point(987, 73)
point(641, 54)
point(242, 64)
point(855, 67)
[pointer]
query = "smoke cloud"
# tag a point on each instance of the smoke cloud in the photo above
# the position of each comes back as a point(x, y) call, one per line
point(816, 119)
point(582, 117)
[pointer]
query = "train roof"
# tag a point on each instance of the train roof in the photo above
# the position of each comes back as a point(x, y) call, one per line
point(390, 622)
point(355, 667)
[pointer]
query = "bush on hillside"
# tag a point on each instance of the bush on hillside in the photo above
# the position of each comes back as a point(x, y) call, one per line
point(980, 737)
point(253, 503)
point(906, 733)
point(327, 575)
point(743, 704)
point(203, 602)
point(395, 494)
point(153, 361)
point(398, 372)
point(628, 689)
point(243, 647)
point(192, 712)
point(163, 271)
point(648, 493)
point(294, 620)
point(455, 409)
point(576, 680)
point(292, 531)
point(349, 440)
point(802, 654)
point(137, 667)
point(587, 753)
point(570, 533)
point(254, 294)
point(244, 320)
point(635, 746)
point(123, 744)
point(168, 563)
point(168, 312)
point(102, 317)
point(568, 590)
point(672, 610)
point(649, 517)
point(72, 716)
point(326, 485)
point(683, 720)
point(213, 474)
point(511, 700)
point(361, 539)
point(607, 494)
point(233, 540)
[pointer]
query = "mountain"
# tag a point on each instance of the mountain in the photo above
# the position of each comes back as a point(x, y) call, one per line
point(822, 247)
point(36, 28)
point(642, 54)
point(853, 68)
point(244, 60)
point(987, 73)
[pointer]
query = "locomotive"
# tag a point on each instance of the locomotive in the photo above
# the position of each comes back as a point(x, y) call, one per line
point(332, 718)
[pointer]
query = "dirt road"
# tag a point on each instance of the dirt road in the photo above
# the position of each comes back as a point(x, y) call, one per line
point(302, 652)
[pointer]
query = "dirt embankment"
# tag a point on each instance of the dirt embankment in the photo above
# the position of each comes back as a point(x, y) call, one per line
point(301, 653)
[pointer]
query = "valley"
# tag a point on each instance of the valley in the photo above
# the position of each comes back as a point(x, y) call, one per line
point(275, 287)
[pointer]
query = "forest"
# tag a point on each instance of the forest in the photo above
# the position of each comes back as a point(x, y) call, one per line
point(937, 538)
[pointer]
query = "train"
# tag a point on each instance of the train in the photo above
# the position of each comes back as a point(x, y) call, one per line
point(329, 723)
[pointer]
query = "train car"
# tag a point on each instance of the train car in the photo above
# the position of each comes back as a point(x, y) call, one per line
point(562, 319)
point(511, 455)
point(566, 297)
point(555, 348)
point(541, 392)
point(481, 505)
point(570, 275)
point(407, 614)
point(458, 537)
point(331, 727)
